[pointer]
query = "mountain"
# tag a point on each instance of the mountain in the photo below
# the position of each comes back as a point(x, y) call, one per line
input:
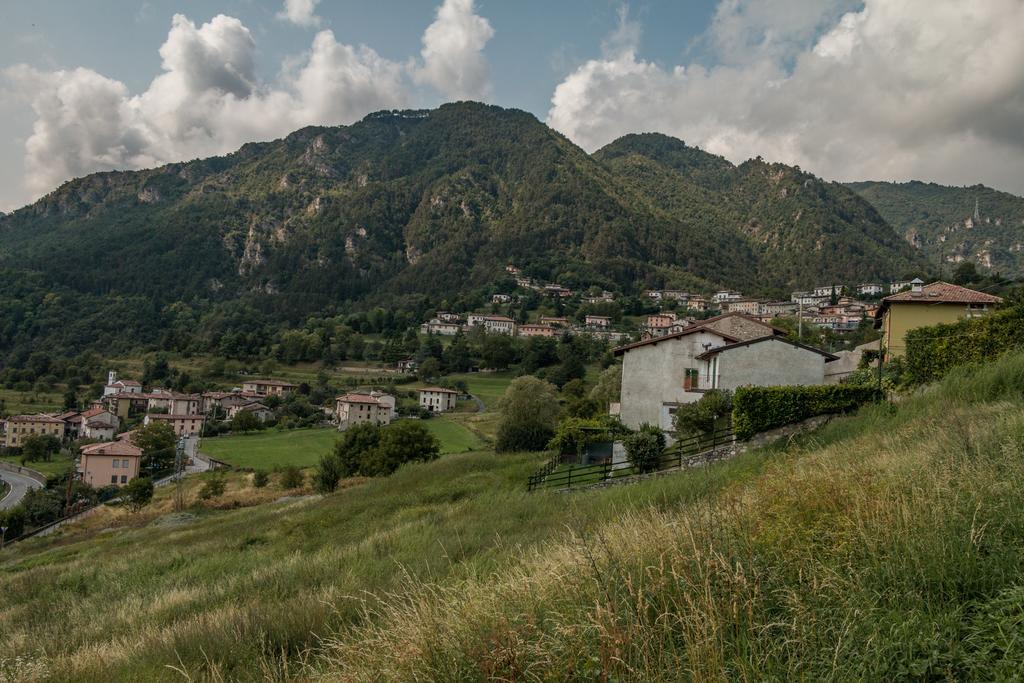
point(954, 224)
point(409, 209)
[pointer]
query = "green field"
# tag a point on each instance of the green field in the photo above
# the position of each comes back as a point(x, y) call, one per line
point(272, 448)
point(303, 447)
point(57, 465)
point(487, 386)
point(18, 402)
point(888, 545)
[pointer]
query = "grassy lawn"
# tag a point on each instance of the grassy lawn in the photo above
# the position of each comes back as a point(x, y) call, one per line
point(272, 448)
point(17, 402)
point(58, 465)
point(454, 437)
point(487, 386)
point(303, 447)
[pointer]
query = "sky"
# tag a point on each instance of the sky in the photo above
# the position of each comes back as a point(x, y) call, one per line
point(848, 89)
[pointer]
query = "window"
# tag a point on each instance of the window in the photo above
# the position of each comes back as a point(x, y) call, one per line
point(124, 478)
point(113, 479)
point(690, 379)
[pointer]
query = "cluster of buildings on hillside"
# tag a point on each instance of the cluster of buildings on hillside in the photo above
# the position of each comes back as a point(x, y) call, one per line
point(450, 324)
point(738, 348)
point(377, 407)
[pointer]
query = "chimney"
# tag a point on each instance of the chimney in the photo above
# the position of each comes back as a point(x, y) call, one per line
point(916, 284)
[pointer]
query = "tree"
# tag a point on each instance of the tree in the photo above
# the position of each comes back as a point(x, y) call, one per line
point(694, 419)
point(39, 447)
point(456, 356)
point(402, 442)
point(966, 273)
point(70, 399)
point(245, 421)
point(428, 369)
point(138, 493)
point(354, 442)
point(645, 447)
point(529, 413)
point(157, 441)
point(498, 351)
point(609, 387)
point(259, 479)
point(328, 473)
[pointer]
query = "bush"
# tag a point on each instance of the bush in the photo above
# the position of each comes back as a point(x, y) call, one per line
point(328, 473)
point(374, 451)
point(575, 434)
point(705, 415)
point(14, 520)
point(932, 351)
point(259, 479)
point(138, 493)
point(292, 478)
point(645, 448)
point(213, 486)
point(758, 409)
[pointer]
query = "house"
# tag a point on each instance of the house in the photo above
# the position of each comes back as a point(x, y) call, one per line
point(497, 324)
point(354, 408)
point(438, 399)
point(110, 463)
point(98, 429)
point(223, 401)
point(809, 298)
point(724, 295)
point(747, 306)
point(777, 309)
point(661, 373)
point(119, 386)
point(557, 290)
point(126, 404)
point(900, 285)
point(601, 321)
point(501, 298)
point(438, 326)
point(72, 424)
point(19, 427)
point(537, 331)
point(268, 387)
point(554, 321)
point(923, 305)
point(407, 365)
point(183, 425)
point(663, 319)
point(827, 291)
point(765, 362)
point(697, 303)
point(653, 294)
point(511, 270)
point(870, 289)
point(174, 402)
point(447, 317)
point(260, 411)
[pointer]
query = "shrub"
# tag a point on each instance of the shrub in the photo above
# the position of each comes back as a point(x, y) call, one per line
point(292, 478)
point(14, 519)
point(705, 415)
point(758, 409)
point(932, 351)
point(259, 479)
point(328, 473)
point(575, 434)
point(213, 486)
point(645, 448)
point(138, 493)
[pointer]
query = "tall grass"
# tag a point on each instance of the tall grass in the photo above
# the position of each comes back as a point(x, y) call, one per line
point(884, 546)
point(887, 547)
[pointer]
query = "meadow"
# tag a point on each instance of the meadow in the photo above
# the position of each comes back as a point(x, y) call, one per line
point(886, 545)
point(303, 447)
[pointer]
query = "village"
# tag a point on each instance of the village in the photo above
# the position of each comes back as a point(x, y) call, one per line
point(691, 345)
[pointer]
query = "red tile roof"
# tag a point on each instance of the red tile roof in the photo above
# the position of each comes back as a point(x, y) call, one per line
point(943, 292)
point(112, 448)
point(49, 419)
point(356, 398)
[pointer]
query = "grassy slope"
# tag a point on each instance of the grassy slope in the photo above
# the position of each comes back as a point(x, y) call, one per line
point(57, 465)
point(884, 546)
point(303, 447)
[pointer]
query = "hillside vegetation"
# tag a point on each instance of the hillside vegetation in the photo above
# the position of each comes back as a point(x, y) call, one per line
point(941, 221)
point(409, 210)
point(886, 545)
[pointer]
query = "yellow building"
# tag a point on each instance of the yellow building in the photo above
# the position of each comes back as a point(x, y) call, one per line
point(924, 305)
point(20, 427)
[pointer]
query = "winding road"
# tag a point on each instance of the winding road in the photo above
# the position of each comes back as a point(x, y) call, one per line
point(20, 484)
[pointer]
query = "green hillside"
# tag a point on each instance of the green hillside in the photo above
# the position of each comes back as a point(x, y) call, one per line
point(888, 545)
point(941, 221)
point(408, 210)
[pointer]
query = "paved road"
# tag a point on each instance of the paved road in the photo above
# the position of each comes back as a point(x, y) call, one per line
point(20, 484)
point(481, 407)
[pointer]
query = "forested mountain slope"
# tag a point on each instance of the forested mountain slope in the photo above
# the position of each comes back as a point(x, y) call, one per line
point(954, 224)
point(408, 208)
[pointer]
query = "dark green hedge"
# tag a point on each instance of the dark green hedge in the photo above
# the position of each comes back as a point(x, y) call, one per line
point(932, 351)
point(758, 409)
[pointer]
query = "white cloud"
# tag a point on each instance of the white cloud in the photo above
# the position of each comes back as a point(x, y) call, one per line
point(209, 100)
point(924, 89)
point(300, 12)
point(453, 59)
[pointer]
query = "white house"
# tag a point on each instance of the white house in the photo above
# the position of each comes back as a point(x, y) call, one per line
point(499, 324)
point(120, 386)
point(438, 399)
point(870, 289)
point(597, 321)
point(438, 326)
point(661, 373)
point(764, 362)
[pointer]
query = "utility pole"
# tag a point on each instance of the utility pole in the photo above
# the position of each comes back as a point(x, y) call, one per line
point(179, 463)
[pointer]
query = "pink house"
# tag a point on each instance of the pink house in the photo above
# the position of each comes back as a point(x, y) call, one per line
point(109, 464)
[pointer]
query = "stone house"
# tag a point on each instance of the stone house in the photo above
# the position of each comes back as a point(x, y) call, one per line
point(354, 408)
point(438, 399)
point(183, 425)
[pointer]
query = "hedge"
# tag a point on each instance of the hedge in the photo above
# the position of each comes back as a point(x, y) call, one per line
point(932, 351)
point(758, 409)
